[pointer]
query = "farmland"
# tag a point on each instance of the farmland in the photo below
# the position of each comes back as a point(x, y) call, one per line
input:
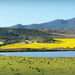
point(1, 42)
point(59, 43)
point(13, 65)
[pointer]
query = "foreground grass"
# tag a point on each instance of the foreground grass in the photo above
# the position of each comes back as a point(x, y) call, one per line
point(13, 65)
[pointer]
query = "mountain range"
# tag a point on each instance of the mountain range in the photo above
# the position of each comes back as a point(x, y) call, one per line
point(56, 24)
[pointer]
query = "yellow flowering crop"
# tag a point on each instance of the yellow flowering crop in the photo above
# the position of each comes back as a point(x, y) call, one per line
point(1, 42)
point(60, 43)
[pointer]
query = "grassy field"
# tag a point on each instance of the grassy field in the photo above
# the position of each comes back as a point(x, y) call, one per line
point(13, 65)
point(59, 43)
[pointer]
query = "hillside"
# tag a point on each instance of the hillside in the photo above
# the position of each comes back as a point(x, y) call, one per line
point(57, 24)
point(19, 34)
point(16, 35)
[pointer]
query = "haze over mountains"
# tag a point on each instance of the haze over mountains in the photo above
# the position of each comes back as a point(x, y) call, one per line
point(57, 24)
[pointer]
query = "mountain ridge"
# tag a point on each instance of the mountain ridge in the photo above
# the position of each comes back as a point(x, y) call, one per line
point(56, 24)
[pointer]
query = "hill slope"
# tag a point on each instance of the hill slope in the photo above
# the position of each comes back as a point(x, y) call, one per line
point(20, 34)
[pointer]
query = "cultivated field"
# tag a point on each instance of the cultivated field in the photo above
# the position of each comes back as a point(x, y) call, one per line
point(59, 43)
point(1, 42)
point(13, 65)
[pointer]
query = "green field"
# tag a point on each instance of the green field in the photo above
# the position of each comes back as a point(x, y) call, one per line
point(14, 65)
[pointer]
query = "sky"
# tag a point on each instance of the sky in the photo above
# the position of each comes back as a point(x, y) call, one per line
point(28, 12)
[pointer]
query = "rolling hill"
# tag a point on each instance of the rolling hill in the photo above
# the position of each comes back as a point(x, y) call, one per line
point(15, 35)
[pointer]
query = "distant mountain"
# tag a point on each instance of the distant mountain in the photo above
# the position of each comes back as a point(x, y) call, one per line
point(58, 24)
point(18, 26)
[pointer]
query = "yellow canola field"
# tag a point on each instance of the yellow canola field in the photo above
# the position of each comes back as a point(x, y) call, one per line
point(59, 43)
point(1, 42)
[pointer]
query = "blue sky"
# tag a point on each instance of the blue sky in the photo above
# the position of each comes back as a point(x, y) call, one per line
point(28, 12)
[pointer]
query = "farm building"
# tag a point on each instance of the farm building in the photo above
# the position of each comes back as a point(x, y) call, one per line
point(26, 42)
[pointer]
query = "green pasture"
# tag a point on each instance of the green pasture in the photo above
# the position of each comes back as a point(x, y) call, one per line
point(17, 65)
